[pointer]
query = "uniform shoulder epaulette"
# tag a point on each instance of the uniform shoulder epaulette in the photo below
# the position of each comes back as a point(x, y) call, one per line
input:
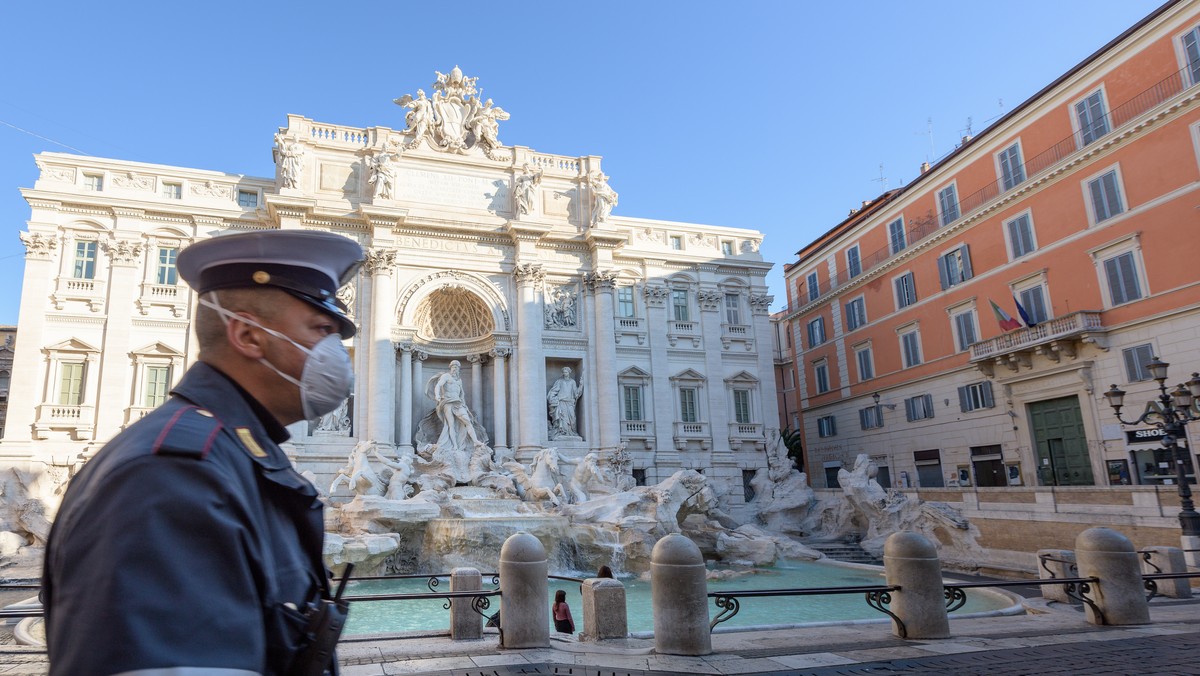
point(191, 432)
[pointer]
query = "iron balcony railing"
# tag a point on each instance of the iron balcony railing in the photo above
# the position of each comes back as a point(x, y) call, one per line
point(1169, 87)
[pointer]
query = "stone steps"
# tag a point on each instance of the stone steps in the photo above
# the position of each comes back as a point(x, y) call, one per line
point(844, 551)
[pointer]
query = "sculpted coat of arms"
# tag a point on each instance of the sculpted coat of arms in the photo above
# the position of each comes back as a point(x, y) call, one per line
point(455, 119)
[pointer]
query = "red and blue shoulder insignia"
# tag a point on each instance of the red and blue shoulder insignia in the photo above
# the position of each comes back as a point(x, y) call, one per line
point(191, 432)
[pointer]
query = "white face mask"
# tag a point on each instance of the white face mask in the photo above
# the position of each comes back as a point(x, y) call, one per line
point(328, 376)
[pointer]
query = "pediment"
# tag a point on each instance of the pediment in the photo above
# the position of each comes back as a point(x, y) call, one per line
point(71, 345)
point(742, 377)
point(157, 349)
point(633, 372)
point(688, 374)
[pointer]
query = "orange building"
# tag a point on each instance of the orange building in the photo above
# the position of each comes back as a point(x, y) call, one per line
point(1082, 205)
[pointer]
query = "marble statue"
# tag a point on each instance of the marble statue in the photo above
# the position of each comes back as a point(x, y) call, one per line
point(358, 475)
point(542, 480)
point(483, 122)
point(524, 188)
point(291, 161)
point(419, 117)
point(590, 479)
point(337, 420)
point(457, 421)
point(383, 173)
point(401, 472)
point(456, 118)
point(604, 198)
point(562, 400)
point(560, 307)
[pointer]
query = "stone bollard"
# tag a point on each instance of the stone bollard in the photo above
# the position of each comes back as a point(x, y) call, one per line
point(910, 562)
point(604, 613)
point(1105, 554)
point(679, 597)
point(1057, 570)
point(524, 593)
point(1168, 560)
point(465, 623)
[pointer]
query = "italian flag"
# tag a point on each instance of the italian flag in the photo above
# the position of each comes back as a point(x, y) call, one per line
point(1006, 323)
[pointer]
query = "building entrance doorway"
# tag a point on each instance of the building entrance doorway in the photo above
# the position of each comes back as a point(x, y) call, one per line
point(1060, 443)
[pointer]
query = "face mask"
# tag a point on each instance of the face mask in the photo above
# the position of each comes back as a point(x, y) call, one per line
point(328, 377)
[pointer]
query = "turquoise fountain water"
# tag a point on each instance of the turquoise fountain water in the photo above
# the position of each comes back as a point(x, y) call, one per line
point(385, 617)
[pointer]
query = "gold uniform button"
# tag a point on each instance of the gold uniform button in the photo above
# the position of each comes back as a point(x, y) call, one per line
point(261, 277)
point(204, 413)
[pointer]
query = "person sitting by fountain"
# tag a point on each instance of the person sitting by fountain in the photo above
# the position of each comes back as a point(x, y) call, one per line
point(604, 571)
point(563, 623)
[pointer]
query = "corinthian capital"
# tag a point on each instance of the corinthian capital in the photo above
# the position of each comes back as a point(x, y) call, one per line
point(122, 251)
point(38, 246)
point(380, 261)
point(600, 280)
point(529, 272)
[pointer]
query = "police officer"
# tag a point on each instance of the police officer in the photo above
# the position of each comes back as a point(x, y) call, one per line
point(189, 545)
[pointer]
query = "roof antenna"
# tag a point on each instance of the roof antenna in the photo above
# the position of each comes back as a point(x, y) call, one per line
point(882, 180)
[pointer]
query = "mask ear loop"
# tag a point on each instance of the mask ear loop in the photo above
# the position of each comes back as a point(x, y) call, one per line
point(226, 316)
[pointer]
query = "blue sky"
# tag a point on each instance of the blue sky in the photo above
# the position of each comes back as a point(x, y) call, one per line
point(767, 115)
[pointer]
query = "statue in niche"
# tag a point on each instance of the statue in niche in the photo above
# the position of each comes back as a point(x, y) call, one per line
point(291, 161)
point(383, 173)
point(449, 435)
point(562, 401)
point(337, 420)
point(524, 188)
point(560, 308)
point(604, 198)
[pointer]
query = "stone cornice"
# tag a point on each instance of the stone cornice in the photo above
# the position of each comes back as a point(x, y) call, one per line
point(523, 231)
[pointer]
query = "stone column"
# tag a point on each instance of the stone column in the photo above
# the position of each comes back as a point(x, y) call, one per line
point(476, 361)
point(662, 395)
point(1061, 567)
point(500, 402)
point(531, 431)
point(29, 364)
point(381, 386)
point(910, 562)
point(418, 383)
point(604, 610)
point(679, 597)
point(609, 422)
point(1106, 554)
point(760, 312)
point(112, 396)
point(1168, 560)
point(465, 623)
point(406, 399)
point(525, 604)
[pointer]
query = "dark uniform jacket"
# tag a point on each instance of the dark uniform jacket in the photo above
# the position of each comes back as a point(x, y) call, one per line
point(179, 543)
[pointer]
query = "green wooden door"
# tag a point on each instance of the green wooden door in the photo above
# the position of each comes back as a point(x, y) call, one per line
point(1060, 443)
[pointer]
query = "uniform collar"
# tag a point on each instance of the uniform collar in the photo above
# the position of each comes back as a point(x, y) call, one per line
point(209, 388)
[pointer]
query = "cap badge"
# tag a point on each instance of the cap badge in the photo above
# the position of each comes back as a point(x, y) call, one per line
point(261, 277)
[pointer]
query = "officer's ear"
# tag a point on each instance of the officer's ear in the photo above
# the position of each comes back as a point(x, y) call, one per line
point(244, 338)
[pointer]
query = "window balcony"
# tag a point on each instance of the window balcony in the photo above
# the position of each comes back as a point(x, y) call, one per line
point(78, 421)
point(631, 327)
point(692, 431)
point(71, 289)
point(136, 413)
point(677, 330)
point(741, 333)
point(1053, 339)
point(740, 433)
point(171, 296)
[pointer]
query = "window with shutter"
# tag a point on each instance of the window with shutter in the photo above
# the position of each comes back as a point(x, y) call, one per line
point(1020, 236)
point(853, 262)
point(1092, 118)
point(1106, 196)
point(896, 235)
point(1012, 171)
point(1191, 52)
point(1136, 358)
point(948, 204)
point(1123, 285)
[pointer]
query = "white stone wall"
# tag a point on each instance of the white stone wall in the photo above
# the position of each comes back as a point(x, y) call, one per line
point(450, 224)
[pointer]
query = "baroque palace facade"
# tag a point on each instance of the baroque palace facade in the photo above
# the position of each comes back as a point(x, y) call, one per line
point(1080, 205)
point(502, 258)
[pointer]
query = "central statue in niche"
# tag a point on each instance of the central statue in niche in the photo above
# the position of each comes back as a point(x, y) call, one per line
point(460, 442)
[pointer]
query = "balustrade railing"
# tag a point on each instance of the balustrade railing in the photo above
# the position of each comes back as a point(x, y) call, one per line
point(637, 428)
point(691, 430)
point(1066, 326)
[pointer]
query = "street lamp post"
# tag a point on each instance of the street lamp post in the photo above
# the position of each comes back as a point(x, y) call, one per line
point(1172, 417)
